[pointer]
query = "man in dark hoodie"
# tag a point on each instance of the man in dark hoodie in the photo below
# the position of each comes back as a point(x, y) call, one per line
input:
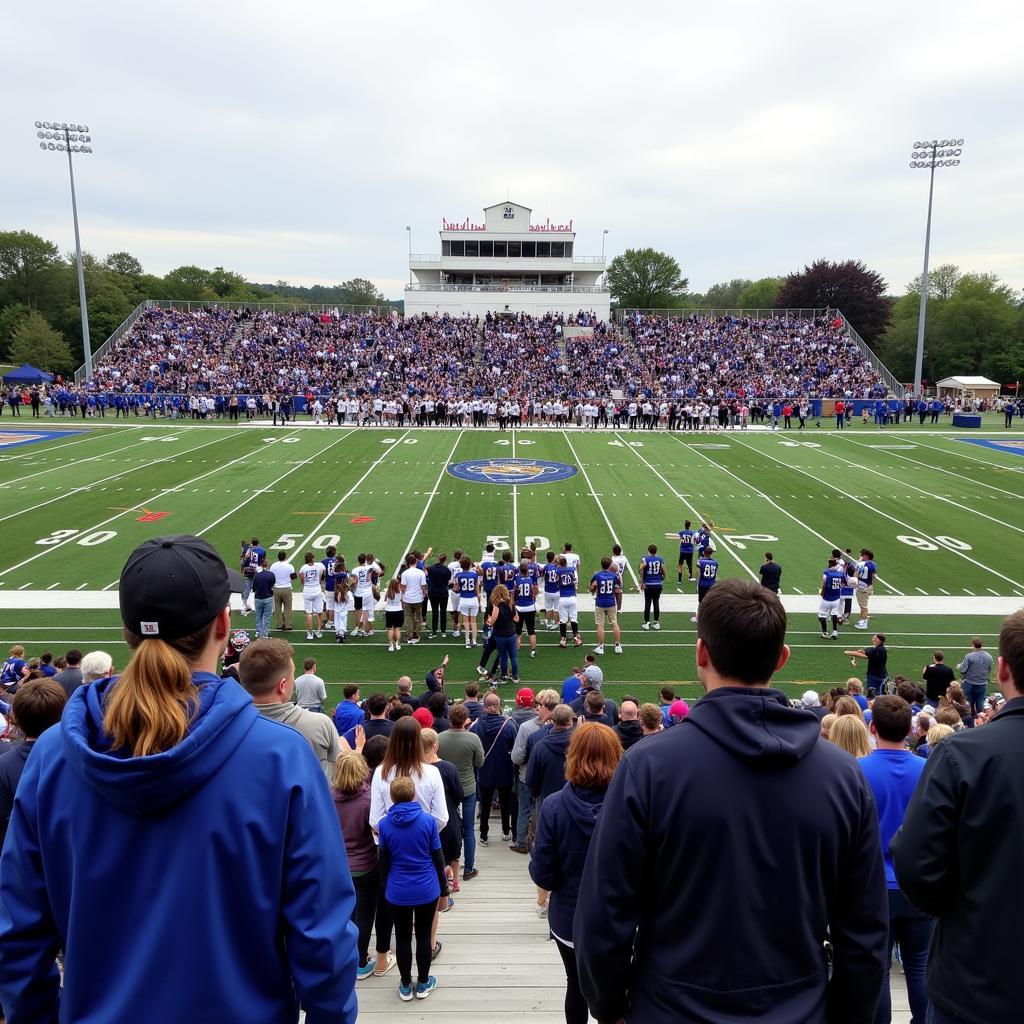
point(497, 773)
point(629, 729)
point(545, 767)
point(717, 873)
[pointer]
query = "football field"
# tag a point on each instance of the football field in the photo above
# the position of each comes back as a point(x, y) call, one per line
point(943, 515)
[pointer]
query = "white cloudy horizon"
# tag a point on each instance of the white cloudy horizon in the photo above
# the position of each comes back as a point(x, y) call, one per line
point(746, 140)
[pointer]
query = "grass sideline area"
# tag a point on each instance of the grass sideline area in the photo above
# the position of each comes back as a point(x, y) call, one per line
point(943, 517)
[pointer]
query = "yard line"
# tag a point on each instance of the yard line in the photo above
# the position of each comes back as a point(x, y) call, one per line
point(721, 545)
point(921, 490)
point(885, 515)
point(255, 494)
point(948, 472)
point(775, 504)
point(141, 504)
point(430, 500)
point(515, 507)
point(89, 435)
point(373, 465)
point(590, 486)
point(971, 458)
point(116, 476)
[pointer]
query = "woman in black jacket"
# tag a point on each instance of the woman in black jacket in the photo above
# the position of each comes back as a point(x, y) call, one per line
point(564, 828)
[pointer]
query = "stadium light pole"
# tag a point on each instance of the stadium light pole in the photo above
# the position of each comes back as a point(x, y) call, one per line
point(59, 136)
point(604, 235)
point(408, 230)
point(937, 153)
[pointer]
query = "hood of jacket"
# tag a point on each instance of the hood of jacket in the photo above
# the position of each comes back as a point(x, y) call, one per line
point(583, 806)
point(755, 724)
point(403, 815)
point(487, 727)
point(358, 793)
point(148, 785)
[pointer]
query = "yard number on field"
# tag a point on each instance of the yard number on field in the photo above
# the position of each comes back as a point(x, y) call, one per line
point(926, 545)
point(288, 540)
point(500, 541)
point(87, 540)
point(737, 540)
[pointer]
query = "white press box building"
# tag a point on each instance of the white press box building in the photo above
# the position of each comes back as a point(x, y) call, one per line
point(506, 265)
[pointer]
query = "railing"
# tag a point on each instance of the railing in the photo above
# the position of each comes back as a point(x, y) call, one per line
point(582, 288)
point(890, 381)
point(424, 258)
point(517, 260)
point(129, 323)
point(295, 307)
point(757, 314)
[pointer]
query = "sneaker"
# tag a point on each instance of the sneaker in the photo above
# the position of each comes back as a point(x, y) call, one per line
point(645, 625)
point(506, 837)
point(533, 653)
point(483, 841)
point(423, 989)
point(824, 636)
point(319, 634)
point(405, 993)
point(366, 971)
point(480, 670)
point(599, 649)
point(561, 643)
point(471, 873)
point(455, 633)
point(540, 911)
point(618, 648)
point(391, 648)
point(389, 963)
point(468, 645)
point(413, 640)
point(368, 633)
point(357, 631)
point(431, 636)
point(835, 634)
point(309, 636)
point(340, 638)
point(515, 680)
point(693, 618)
point(657, 625)
point(519, 848)
point(577, 641)
point(398, 647)
point(860, 624)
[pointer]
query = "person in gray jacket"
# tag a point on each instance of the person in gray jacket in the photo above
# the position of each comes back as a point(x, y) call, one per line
point(267, 672)
point(544, 703)
point(974, 671)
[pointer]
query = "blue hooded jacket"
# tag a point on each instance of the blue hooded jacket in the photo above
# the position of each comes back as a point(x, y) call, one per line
point(408, 839)
point(564, 827)
point(205, 883)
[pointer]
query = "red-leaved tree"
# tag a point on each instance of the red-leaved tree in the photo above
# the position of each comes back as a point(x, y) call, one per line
point(848, 286)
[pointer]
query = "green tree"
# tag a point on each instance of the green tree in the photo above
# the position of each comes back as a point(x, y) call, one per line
point(123, 263)
point(725, 294)
point(36, 342)
point(360, 292)
point(189, 282)
point(645, 279)
point(10, 318)
point(109, 307)
point(761, 294)
point(24, 260)
point(848, 286)
point(942, 281)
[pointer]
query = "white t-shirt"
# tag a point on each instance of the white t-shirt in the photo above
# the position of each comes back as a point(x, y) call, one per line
point(571, 559)
point(283, 572)
point(414, 580)
point(364, 579)
point(429, 794)
point(619, 565)
point(312, 576)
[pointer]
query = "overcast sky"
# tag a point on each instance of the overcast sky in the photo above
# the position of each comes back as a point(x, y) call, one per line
point(297, 141)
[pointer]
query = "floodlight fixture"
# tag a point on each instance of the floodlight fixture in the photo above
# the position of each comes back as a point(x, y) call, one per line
point(930, 155)
point(69, 138)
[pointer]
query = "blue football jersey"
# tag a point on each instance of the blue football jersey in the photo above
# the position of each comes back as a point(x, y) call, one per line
point(707, 572)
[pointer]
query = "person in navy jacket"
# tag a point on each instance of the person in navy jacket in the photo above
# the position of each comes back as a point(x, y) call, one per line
point(733, 851)
point(545, 766)
point(187, 858)
point(564, 827)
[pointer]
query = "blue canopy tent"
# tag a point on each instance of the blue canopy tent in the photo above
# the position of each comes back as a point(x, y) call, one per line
point(26, 374)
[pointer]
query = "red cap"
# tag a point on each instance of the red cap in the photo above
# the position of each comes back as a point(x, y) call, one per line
point(424, 717)
point(524, 698)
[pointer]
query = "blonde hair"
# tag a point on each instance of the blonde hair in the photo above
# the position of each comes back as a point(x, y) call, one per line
point(850, 733)
point(429, 739)
point(17, 651)
point(847, 706)
point(154, 700)
point(350, 771)
point(937, 733)
point(500, 595)
point(827, 722)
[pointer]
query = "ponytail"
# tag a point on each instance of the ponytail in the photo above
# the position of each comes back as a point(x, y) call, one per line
point(154, 700)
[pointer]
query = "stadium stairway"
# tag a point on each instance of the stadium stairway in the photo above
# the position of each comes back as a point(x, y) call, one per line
point(497, 962)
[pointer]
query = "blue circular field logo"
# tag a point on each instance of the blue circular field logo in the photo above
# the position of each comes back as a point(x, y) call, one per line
point(511, 471)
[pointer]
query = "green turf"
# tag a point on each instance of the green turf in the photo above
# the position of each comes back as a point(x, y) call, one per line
point(964, 505)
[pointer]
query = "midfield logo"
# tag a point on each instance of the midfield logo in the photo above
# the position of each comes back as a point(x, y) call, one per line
point(511, 471)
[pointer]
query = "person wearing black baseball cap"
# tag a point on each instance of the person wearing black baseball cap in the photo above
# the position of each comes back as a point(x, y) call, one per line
point(180, 847)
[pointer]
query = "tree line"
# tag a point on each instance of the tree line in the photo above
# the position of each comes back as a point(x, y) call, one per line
point(975, 322)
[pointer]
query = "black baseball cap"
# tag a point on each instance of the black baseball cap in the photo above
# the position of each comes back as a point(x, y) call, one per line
point(173, 586)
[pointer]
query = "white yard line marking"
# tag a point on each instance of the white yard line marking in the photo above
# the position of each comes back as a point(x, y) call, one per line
point(921, 490)
point(515, 508)
point(784, 511)
point(885, 515)
point(430, 500)
point(255, 494)
point(955, 449)
point(373, 465)
point(604, 514)
point(155, 497)
point(721, 545)
point(46, 451)
point(116, 476)
point(972, 482)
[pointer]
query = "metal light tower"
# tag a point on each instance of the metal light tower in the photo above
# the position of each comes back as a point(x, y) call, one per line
point(408, 229)
point(937, 153)
point(604, 235)
point(71, 138)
